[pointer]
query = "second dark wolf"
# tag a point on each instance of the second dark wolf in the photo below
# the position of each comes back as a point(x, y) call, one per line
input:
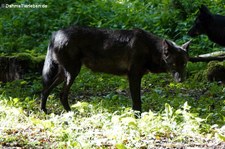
point(119, 52)
point(209, 24)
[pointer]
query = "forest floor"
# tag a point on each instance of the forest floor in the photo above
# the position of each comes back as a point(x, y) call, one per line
point(176, 115)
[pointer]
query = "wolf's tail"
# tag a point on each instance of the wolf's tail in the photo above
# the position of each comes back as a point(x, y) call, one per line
point(50, 68)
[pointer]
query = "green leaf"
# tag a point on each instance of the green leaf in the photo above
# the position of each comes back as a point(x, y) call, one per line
point(120, 146)
point(220, 136)
point(168, 110)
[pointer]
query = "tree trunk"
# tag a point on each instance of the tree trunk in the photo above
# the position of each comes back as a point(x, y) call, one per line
point(13, 68)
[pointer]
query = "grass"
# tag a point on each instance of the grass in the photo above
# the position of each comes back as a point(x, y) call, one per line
point(175, 115)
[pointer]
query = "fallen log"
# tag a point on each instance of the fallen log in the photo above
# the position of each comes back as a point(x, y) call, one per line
point(214, 56)
point(215, 70)
point(16, 67)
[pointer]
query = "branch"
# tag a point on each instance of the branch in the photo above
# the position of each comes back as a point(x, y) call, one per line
point(206, 59)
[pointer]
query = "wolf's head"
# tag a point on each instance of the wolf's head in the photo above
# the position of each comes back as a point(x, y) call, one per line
point(176, 58)
point(202, 20)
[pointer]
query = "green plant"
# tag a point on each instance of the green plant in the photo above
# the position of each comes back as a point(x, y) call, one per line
point(175, 115)
point(169, 19)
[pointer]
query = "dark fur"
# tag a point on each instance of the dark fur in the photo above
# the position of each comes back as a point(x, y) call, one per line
point(209, 24)
point(119, 52)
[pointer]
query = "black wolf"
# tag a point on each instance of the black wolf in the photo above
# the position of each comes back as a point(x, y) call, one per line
point(119, 52)
point(209, 24)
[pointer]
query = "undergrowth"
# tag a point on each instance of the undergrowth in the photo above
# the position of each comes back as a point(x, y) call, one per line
point(175, 115)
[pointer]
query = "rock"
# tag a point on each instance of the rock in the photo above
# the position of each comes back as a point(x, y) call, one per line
point(216, 72)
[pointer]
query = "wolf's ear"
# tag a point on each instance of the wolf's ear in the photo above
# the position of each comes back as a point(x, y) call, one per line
point(167, 44)
point(204, 9)
point(185, 46)
point(167, 47)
